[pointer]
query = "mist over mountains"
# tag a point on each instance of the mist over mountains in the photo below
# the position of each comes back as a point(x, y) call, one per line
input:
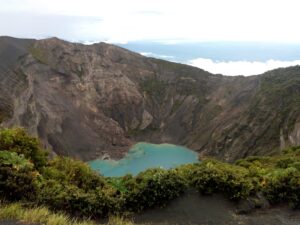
point(229, 58)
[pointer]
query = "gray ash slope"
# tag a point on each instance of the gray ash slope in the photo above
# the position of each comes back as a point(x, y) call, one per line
point(89, 101)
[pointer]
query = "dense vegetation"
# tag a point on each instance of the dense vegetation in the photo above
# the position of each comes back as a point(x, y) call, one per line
point(64, 184)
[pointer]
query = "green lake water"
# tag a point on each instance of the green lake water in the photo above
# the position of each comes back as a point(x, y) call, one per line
point(143, 156)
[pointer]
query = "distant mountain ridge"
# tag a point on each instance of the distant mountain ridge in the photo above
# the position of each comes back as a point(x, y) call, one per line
point(97, 100)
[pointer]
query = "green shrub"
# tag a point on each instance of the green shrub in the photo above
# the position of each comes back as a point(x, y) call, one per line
point(72, 186)
point(283, 185)
point(285, 162)
point(69, 198)
point(262, 161)
point(70, 171)
point(64, 197)
point(296, 165)
point(152, 187)
point(17, 177)
point(292, 150)
point(215, 177)
point(17, 140)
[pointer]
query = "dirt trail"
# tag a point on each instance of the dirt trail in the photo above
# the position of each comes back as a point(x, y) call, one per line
point(215, 210)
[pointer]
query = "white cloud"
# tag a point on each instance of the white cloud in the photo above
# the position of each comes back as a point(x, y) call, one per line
point(131, 20)
point(240, 67)
point(151, 54)
point(89, 42)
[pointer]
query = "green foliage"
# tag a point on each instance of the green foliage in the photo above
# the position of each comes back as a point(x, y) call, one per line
point(283, 185)
point(37, 215)
point(74, 200)
point(296, 165)
point(278, 102)
point(279, 176)
point(155, 88)
point(285, 162)
point(69, 171)
point(150, 188)
point(215, 177)
point(70, 185)
point(17, 176)
point(17, 140)
point(292, 150)
point(11, 211)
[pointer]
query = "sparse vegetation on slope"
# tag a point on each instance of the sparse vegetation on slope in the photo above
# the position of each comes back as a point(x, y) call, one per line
point(155, 88)
point(275, 107)
point(125, 97)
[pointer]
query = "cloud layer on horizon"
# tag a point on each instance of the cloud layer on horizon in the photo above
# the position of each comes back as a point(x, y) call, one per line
point(246, 68)
point(151, 54)
point(168, 21)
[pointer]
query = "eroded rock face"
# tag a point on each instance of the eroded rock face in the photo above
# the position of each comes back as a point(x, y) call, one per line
point(294, 136)
point(93, 101)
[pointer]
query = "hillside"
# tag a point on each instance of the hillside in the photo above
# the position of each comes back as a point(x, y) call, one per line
point(92, 101)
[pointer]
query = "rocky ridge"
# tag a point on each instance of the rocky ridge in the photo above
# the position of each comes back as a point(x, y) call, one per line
point(97, 100)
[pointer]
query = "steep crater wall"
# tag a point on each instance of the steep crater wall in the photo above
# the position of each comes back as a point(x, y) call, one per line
point(98, 100)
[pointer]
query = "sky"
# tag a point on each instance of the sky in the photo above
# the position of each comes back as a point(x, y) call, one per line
point(167, 22)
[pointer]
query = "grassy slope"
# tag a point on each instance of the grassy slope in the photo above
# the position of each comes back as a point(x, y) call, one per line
point(42, 215)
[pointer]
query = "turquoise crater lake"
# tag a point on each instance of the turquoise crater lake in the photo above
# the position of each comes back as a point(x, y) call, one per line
point(143, 156)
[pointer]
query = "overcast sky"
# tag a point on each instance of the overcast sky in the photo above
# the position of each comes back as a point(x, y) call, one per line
point(161, 21)
point(120, 21)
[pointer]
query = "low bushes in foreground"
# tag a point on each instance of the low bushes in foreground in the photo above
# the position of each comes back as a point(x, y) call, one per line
point(17, 177)
point(69, 171)
point(18, 141)
point(33, 215)
point(215, 177)
point(70, 198)
point(278, 177)
point(69, 185)
point(283, 185)
point(150, 188)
